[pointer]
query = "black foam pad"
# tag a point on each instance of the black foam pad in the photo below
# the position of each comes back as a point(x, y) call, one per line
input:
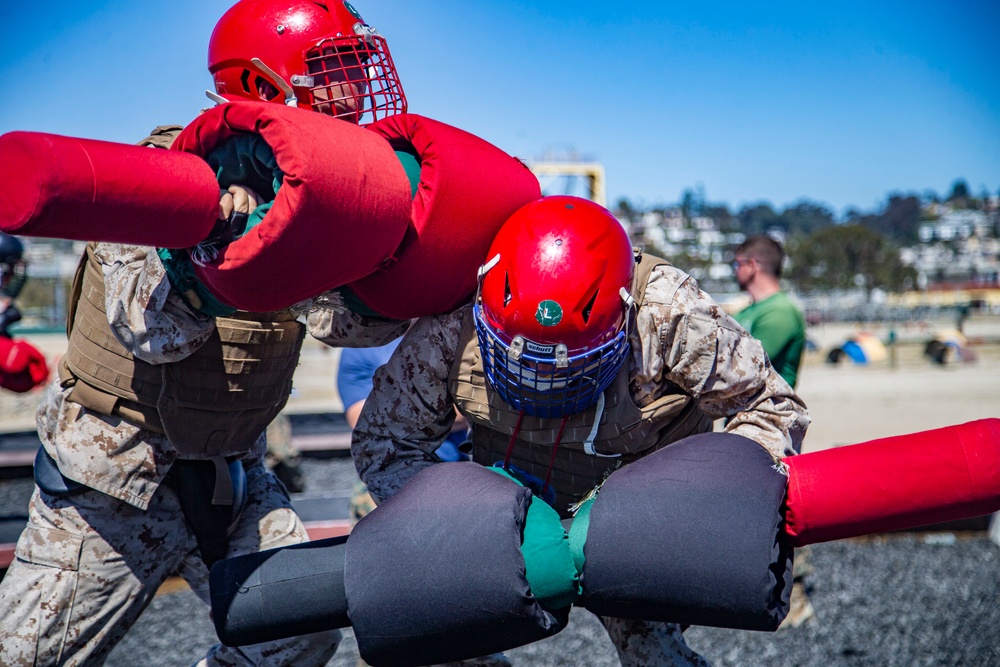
point(435, 574)
point(692, 534)
point(279, 593)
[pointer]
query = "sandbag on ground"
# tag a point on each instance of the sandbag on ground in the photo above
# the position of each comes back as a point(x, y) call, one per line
point(894, 483)
point(88, 190)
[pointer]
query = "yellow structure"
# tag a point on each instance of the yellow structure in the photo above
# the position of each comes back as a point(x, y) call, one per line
point(592, 172)
point(987, 296)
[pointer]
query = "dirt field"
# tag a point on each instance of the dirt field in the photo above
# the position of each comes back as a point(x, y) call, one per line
point(852, 403)
point(849, 403)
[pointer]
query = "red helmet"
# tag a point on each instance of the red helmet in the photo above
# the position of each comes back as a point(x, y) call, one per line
point(553, 306)
point(316, 55)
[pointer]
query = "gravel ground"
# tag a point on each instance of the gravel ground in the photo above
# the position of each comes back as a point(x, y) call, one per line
point(14, 496)
point(903, 600)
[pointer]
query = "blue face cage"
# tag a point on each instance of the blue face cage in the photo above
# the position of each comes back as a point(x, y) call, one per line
point(543, 380)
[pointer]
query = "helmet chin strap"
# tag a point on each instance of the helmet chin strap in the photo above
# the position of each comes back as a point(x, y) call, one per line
point(627, 298)
point(588, 444)
point(482, 272)
point(629, 302)
point(487, 266)
point(215, 97)
point(282, 85)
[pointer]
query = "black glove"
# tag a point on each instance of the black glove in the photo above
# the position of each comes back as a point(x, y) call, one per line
point(223, 233)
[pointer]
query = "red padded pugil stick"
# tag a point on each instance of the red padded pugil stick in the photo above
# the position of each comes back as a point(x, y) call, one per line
point(468, 189)
point(89, 190)
point(341, 212)
point(894, 483)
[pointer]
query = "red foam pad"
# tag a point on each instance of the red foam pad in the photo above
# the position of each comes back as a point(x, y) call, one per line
point(341, 211)
point(22, 366)
point(894, 483)
point(468, 189)
point(88, 190)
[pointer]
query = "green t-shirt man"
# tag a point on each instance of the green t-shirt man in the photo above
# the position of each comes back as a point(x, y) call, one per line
point(778, 324)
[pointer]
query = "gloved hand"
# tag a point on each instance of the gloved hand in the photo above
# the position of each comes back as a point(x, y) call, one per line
point(235, 206)
point(238, 199)
point(22, 366)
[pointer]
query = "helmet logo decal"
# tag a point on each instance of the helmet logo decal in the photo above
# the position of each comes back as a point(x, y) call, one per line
point(535, 348)
point(352, 10)
point(549, 313)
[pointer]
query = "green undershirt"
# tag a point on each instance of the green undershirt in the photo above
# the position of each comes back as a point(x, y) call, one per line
point(778, 324)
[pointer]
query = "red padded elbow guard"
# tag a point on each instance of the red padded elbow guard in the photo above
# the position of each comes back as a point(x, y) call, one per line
point(22, 366)
point(88, 190)
point(468, 189)
point(341, 211)
point(894, 483)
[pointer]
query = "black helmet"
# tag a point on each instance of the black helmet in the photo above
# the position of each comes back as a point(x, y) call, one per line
point(12, 267)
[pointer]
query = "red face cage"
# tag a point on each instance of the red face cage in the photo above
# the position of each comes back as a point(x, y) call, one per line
point(353, 78)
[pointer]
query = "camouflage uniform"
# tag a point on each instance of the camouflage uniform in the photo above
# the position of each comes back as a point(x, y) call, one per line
point(88, 565)
point(283, 457)
point(680, 339)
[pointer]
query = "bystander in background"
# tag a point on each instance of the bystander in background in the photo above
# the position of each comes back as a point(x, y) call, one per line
point(22, 365)
point(778, 324)
point(771, 317)
point(354, 383)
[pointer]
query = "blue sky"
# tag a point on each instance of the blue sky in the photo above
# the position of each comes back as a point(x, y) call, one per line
point(840, 103)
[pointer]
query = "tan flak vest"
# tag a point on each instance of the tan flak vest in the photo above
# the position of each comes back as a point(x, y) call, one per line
point(625, 432)
point(214, 403)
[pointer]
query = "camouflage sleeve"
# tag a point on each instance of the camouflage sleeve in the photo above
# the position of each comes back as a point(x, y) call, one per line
point(330, 321)
point(711, 357)
point(410, 411)
point(149, 318)
point(162, 136)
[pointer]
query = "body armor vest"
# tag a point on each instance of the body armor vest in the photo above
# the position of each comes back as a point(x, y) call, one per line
point(214, 403)
point(619, 433)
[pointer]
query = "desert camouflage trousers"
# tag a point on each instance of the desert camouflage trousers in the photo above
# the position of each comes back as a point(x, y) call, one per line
point(87, 566)
point(279, 441)
point(651, 644)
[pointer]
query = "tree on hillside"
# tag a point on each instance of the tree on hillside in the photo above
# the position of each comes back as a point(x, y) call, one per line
point(757, 219)
point(805, 217)
point(847, 256)
point(726, 221)
point(899, 220)
point(626, 211)
point(692, 203)
point(959, 194)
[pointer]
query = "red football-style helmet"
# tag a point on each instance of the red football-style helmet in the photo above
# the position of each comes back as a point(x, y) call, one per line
point(554, 304)
point(316, 55)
